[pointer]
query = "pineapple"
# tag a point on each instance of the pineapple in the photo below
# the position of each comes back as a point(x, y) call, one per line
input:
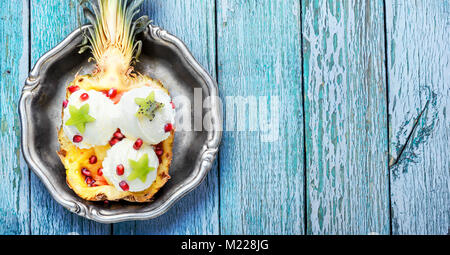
point(111, 40)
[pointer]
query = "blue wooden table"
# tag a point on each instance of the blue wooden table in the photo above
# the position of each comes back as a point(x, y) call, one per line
point(364, 125)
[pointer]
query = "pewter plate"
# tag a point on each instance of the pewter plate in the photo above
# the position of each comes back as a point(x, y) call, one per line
point(163, 57)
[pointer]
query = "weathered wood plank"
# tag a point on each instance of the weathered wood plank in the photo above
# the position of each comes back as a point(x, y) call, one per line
point(192, 21)
point(52, 21)
point(261, 173)
point(346, 117)
point(14, 184)
point(418, 35)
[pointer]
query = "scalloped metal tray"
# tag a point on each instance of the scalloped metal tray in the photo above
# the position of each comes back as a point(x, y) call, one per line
point(163, 57)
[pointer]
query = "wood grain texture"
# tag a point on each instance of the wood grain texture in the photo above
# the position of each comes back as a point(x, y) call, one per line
point(261, 181)
point(260, 186)
point(14, 184)
point(418, 35)
point(51, 22)
point(345, 117)
point(193, 22)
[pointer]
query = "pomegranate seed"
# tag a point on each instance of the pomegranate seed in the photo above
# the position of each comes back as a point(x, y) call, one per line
point(118, 135)
point(173, 105)
point(77, 138)
point(124, 185)
point(120, 169)
point(65, 103)
point(92, 183)
point(84, 96)
point(100, 171)
point(88, 180)
point(112, 93)
point(73, 88)
point(106, 202)
point(158, 151)
point(86, 172)
point(137, 145)
point(113, 141)
point(93, 159)
point(168, 127)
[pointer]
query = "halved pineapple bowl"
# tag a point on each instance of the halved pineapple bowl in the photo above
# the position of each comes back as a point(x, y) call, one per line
point(86, 171)
point(117, 128)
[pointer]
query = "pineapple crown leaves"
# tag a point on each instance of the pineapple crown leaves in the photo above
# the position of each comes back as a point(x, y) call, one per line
point(113, 25)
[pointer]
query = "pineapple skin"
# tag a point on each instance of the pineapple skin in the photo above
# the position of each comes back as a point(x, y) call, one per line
point(74, 158)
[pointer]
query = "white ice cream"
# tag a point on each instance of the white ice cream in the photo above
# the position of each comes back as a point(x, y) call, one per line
point(102, 109)
point(151, 132)
point(121, 153)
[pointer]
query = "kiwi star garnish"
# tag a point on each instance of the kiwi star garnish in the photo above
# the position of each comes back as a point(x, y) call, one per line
point(148, 106)
point(79, 117)
point(140, 168)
